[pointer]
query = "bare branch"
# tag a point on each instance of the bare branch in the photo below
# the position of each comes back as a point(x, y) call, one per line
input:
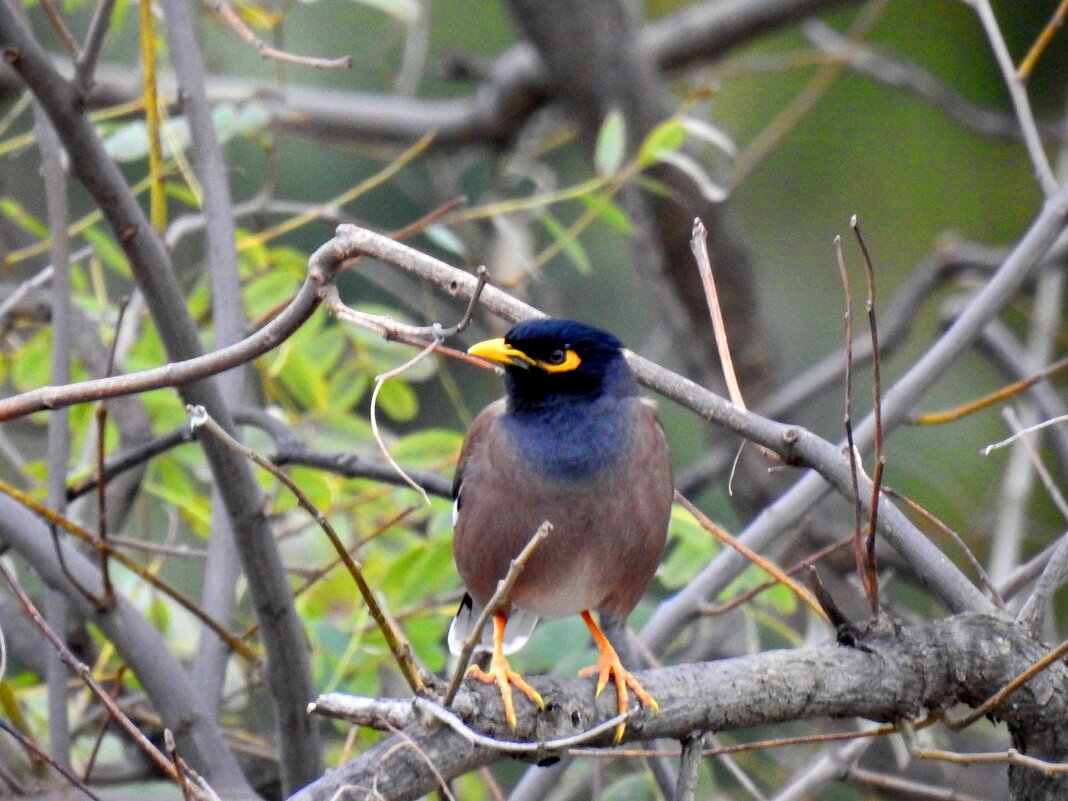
point(1018, 94)
point(224, 10)
point(928, 666)
point(391, 632)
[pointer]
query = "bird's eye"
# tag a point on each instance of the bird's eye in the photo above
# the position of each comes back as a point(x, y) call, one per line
point(557, 357)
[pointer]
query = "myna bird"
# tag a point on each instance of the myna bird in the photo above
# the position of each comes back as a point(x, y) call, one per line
point(572, 442)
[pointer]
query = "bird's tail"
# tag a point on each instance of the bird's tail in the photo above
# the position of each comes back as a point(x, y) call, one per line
point(516, 633)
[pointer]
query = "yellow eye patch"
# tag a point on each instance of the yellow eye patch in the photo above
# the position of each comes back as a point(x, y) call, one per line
point(570, 362)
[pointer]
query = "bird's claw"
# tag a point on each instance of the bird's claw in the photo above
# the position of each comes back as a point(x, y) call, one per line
point(501, 674)
point(609, 666)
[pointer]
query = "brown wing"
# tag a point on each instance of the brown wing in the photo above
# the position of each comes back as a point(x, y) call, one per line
point(608, 534)
point(645, 492)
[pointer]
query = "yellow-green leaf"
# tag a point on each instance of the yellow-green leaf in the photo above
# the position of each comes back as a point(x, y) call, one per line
point(666, 137)
point(611, 144)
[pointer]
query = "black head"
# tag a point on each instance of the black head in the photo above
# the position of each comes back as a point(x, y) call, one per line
point(561, 359)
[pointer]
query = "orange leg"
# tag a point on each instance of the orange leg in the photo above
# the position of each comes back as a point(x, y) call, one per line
point(608, 665)
point(501, 674)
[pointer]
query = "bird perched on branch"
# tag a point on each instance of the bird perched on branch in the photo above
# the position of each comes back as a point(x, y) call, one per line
point(572, 443)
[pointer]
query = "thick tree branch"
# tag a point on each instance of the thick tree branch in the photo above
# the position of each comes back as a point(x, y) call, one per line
point(963, 659)
point(513, 89)
point(222, 570)
point(138, 641)
point(288, 671)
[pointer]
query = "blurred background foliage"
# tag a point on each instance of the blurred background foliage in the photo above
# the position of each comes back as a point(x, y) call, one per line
point(916, 178)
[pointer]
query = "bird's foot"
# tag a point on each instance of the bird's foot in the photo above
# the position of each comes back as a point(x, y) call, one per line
point(501, 674)
point(609, 666)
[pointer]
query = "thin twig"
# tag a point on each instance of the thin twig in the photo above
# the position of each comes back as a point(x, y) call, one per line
point(998, 395)
point(319, 573)
point(127, 460)
point(706, 523)
point(153, 119)
point(899, 786)
point(439, 333)
point(380, 380)
point(1018, 93)
point(86, 675)
point(59, 521)
point(1033, 613)
point(105, 723)
point(1044, 38)
point(504, 587)
point(547, 746)
point(1023, 433)
point(1036, 461)
point(846, 631)
point(172, 750)
point(406, 740)
point(699, 246)
point(44, 756)
point(956, 539)
point(872, 583)
point(710, 610)
point(101, 417)
point(85, 64)
point(759, 745)
point(1009, 756)
point(395, 639)
point(392, 714)
point(61, 29)
point(847, 417)
point(224, 10)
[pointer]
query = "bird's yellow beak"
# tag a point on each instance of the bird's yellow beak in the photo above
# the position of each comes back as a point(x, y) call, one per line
point(500, 352)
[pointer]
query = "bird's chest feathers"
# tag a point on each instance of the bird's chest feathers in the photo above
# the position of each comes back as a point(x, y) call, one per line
point(573, 443)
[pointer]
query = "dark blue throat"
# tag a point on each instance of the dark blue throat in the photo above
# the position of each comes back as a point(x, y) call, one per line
point(573, 435)
point(571, 442)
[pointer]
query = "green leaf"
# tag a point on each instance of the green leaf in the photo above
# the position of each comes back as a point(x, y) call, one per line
point(421, 569)
point(15, 212)
point(398, 400)
point(108, 250)
point(170, 483)
point(336, 429)
point(689, 549)
point(780, 597)
point(608, 212)
point(318, 486)
point(611, 144)
point(427, 448)
point(266, 291)
point(346, 386)
point(666, 137)
point(567, 242)
point(159, 613)
point(182, 193)
point(304, 380)
point(31, 364)
point(427, 634)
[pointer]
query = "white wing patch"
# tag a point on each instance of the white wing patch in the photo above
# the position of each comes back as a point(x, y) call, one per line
point(516, 633)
